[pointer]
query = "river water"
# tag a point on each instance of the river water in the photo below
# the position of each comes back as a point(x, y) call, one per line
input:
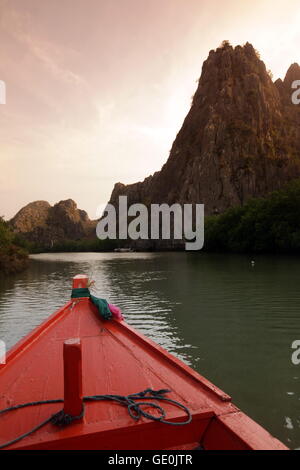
point(231, 321)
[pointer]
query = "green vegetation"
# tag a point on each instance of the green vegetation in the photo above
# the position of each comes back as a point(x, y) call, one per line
point(13, 256)
point(225, 43)
point(262, 225)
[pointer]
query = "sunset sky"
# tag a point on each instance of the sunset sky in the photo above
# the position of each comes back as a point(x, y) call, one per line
point(98, 89)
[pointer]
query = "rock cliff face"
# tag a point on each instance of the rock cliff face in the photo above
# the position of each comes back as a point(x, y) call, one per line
point(44, 225)
point(240, 139)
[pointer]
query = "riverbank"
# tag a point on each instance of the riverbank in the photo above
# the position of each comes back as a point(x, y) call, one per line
point(13, 257)
point(262, 225)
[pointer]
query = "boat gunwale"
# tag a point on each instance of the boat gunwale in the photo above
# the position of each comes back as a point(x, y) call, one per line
point(89, 430)
point(34, 334)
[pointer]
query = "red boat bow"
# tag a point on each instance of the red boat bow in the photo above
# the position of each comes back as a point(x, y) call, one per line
point(108, 357)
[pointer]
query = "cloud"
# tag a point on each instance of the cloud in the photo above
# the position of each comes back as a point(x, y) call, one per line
point(17, 24)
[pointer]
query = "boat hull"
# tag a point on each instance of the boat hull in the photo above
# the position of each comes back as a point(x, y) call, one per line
point(116, 359)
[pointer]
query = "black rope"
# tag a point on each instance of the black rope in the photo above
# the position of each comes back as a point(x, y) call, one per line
point(63, 419)
point(131, 402)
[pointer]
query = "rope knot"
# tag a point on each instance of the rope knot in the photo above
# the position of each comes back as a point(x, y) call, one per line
point(63, 419)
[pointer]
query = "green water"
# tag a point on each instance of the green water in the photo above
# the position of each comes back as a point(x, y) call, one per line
point(232, 322)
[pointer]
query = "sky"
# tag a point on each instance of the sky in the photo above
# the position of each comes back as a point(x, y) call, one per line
point(96, 90)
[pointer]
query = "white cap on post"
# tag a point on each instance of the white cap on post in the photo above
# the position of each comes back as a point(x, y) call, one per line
point(80, 281)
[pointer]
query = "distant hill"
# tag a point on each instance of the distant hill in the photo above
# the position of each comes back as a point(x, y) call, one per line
point(44, 225)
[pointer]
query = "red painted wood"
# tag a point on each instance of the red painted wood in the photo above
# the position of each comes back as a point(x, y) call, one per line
point(80, 281)
point(116, 359)
point(73, 403)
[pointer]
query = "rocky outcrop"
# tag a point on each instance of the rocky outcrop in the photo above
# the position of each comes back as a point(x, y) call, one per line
point(33, 215)
point(240, 139)
point(44, 225)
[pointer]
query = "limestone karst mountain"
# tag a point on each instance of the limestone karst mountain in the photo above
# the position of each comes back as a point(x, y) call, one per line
point(240, 139)
point(44, 225)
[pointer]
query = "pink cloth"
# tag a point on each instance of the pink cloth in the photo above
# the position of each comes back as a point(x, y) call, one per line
point(116, 312)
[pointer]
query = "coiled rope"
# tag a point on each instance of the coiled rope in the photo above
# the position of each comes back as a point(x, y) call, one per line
point(131, 402)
